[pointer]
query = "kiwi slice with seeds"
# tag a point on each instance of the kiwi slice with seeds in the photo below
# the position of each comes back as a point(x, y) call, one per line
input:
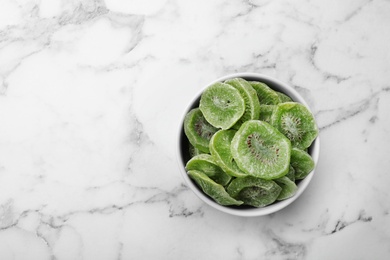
point(220, 150)
point(254, 191)
point(260, 150)
point(198, 130)
point(252, 104)
point(214, 190)
point(222, 105)
point(289, 188)
point(302, 163)
point(296, 122)
point(266, 112)
point(266, 95)
point(206, 164)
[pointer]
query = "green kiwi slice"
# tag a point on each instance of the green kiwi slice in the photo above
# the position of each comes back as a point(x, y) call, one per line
point(198, 130)
point(222, 105)
point(214, 190)
point(296, 122)
point(220, 150)
point(291, 172)
point(302, 163)
point(254, 191)
point(283, 97)
point(252, 104)
point(206, 164)
point(289, 188)
point(266, 112)
point(193, 151)
point(260, 150)
point(266, 95)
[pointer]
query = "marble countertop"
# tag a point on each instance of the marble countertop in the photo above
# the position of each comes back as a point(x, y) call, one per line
point(91, 95)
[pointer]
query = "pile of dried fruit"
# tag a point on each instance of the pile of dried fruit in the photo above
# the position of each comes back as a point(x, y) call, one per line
point(248, 143)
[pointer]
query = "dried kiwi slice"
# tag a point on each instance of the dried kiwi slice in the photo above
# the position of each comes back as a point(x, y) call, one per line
point(198, 130)
point(289, 188)
point(296, 122)
point(206, 164)
point(266, 112)
point(260, 150)
point(253, 191)
point(222, 105)
point(283, 97)
point(211, 188)
point(291, 172)
point(302, 163)
point(193, 151)
point(252, 104)
point(266, 95)
point(220, 150)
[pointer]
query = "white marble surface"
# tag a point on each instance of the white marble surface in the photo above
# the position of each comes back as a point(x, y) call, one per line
point(91, 93)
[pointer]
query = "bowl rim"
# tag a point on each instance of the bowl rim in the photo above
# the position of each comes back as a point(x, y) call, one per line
point(248, 212)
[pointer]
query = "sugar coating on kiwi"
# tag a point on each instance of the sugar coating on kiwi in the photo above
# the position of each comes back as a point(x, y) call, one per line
point(296, 122)
point(266, 112)
point(266, 95)
point(253, 191)
point(302, 163)
point(198, 130)
point(252, 104)
point(222, 105)
point(283, 98)
point(291, 172)
point(206, 164)
point(193, 150)
point(260, 150)
point(220, 150)
point(214, 190)
point(289, 188)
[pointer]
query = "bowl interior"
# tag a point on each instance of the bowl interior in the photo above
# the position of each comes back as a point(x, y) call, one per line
point(184, 155)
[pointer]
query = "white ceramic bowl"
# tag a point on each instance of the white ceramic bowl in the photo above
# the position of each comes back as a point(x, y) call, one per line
point(183, 151)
